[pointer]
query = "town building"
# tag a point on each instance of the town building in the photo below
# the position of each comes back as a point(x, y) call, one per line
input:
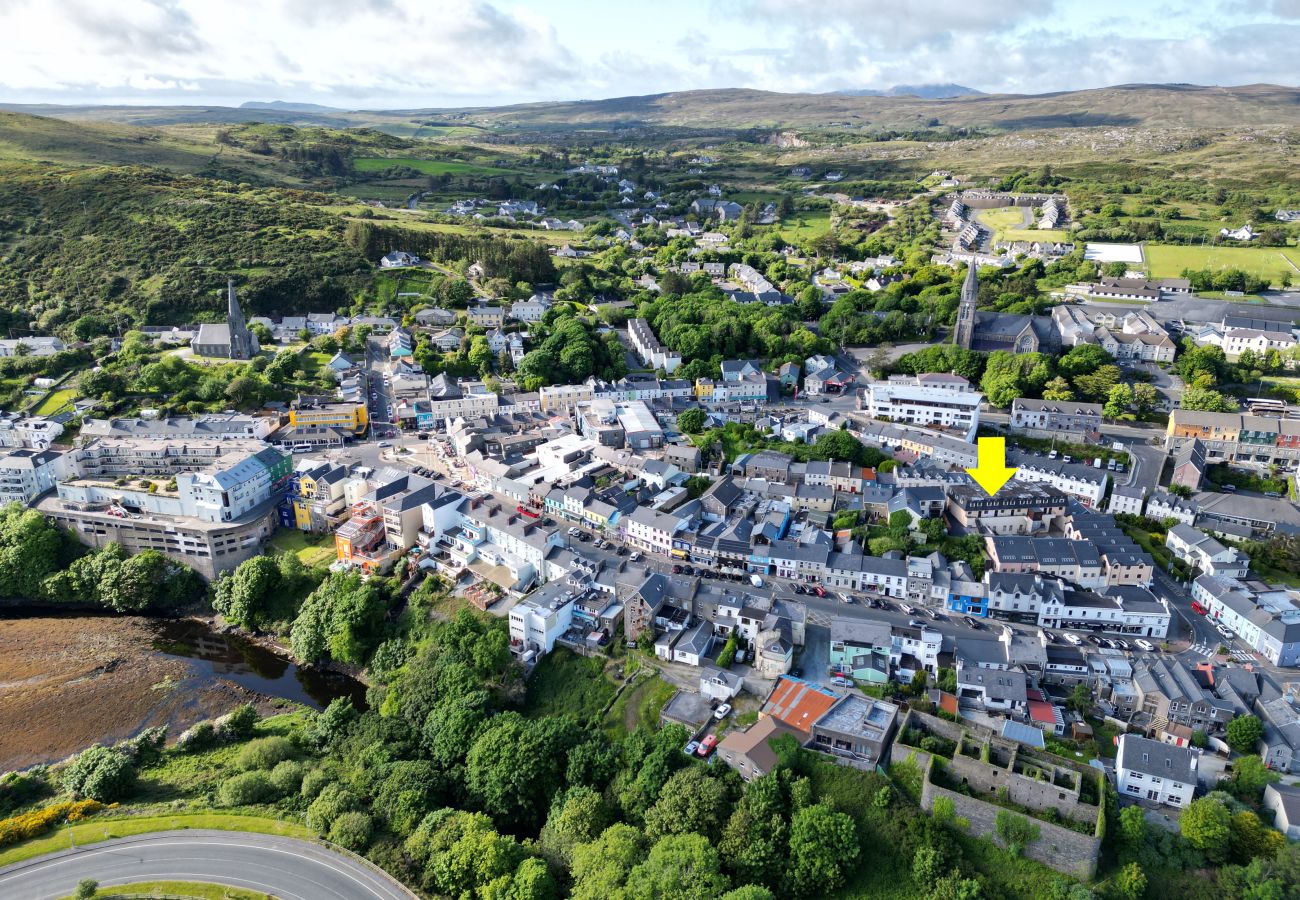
point(232, 340)
point(1068, 419)
point(1156, 772)
point(936, 400)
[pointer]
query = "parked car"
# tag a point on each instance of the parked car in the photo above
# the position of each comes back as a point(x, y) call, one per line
point(1093, 639)
point(690, 748)
point(819, 590)
point(1051, 638)
point(677, 570)
point(573, 532)
point(910, 610)
point(1122, 644)
point(634, 557)
point(841, 681)
point(707, 745)
point(916, 623)
point(383, 444)
point(800, 589)
point(722, 712)
point(1144, 644)
point(1072, 638)
point(971, 623)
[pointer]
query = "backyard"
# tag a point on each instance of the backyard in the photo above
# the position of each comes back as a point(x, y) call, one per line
point(1169, 261)
point(1243, 480)
point(56, 401)
point(312, 549)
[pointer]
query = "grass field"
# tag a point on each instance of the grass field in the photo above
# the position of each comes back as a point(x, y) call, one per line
point(1007, 224)
point(638, 706)
point(565, 683)
point(192, 890)
point(1169, 261)
point(102, 829)
point(312, 549)
point(814, 222)
point(55, 402)
point(428, 166)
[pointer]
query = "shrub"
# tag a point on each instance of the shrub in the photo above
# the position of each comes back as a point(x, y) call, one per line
point(239, 724)
point(287, 776)
point(264, 753)
point(145, 749)
point(333, 801)
point(37, 822)
point(315, 781)
point(351, 830)
point(100, 774)
point(198, 737)
point(245, 789)
point(86, 889)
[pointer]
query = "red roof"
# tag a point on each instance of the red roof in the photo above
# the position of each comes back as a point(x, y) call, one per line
point(798, 703)
point(1041, 711)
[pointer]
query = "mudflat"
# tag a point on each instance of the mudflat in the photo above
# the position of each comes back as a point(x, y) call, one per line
point(70, 681)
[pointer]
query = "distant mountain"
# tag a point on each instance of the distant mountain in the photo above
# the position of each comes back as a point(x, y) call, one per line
point(288, 106)
point(924, 91)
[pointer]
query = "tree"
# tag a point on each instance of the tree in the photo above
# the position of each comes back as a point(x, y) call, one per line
point(1145, 397)
point(691, 421)
point(679, 867)
point(1118, 401)
point(928, 866)
point(241, 596)
point(600, 869)
point(240, 722)
point(578, 816)
point(1133, 827)
point(1250, 838)
point(823, 845)
point(1057, 389)
point(1244, 733)
point(1131, 882)
point(1206, 824)
point(517, 764)
point(1016, 831)
point(691, 800)
point(1249, 776)
point(1081, 699)
point(1205, 400)
point(100, 774)
point(86, 889)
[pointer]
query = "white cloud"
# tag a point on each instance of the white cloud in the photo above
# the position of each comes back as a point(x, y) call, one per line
point(414, 53)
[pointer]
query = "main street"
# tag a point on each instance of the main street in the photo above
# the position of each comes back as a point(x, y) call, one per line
point(287, 868)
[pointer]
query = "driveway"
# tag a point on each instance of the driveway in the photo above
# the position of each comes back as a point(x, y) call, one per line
point(288, 868)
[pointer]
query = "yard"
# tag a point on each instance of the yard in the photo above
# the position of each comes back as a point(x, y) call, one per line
point(1169, 261)
point(312, 549)
point(1243, 480)
point(1008, 224)
point(55, 402)
point(565, 683)
point(428, 166)
point(804, 224)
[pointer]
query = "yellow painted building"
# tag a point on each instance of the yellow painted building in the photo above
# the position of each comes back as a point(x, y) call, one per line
point(350, 416)
point(1208, 426)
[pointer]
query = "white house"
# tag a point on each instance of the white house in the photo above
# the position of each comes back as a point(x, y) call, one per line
point(1156, 772)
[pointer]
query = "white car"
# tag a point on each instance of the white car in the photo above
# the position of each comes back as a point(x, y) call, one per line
point(634, 557)
point(722, 711)
point(1144, 644)
point(1073, 638)
point(1225, 631)
point(910, 610)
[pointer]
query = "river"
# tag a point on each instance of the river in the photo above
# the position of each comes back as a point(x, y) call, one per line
point(70, 680)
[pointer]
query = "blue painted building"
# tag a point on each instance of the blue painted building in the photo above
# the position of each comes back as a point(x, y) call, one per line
point(968, 598)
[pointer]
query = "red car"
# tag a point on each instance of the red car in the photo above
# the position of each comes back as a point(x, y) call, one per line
point(706, 746)
point(819, 590)
point(1198, 609)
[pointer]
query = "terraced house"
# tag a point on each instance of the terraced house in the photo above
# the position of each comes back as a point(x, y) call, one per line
point(1237, 437)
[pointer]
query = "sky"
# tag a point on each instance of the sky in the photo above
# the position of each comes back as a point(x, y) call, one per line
point(396, 54)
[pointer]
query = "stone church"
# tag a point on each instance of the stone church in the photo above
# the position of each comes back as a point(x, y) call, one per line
point(233, 340)
point(988, 331)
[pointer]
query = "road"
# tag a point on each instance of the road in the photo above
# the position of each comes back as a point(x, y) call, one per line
point(287, 868)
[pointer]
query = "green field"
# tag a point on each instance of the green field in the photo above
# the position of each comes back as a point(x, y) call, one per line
point(191, 890)
point(1007, 224)
point(312, 549)
point(427, 166)
point(55, 402)
point(1169, 261)
point(805, 224)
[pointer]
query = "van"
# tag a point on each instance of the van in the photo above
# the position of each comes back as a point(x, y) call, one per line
point(1096, 463)
point(755, 581)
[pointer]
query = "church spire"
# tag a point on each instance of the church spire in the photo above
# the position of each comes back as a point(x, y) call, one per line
point(243, 343)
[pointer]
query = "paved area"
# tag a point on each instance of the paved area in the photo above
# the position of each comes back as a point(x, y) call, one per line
point(287, 868)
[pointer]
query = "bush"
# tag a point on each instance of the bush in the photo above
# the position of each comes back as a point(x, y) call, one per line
point(86, 889)
point(351, 830)
point(246, 789)
point(316, 781)
point(100, 774)
point(37, 822)
point(264, 753)
point(332, 803)
point(287, 776)
point(239, 724)
point(198, 737)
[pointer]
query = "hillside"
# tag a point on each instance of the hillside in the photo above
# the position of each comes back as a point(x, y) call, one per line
point(1140, 105)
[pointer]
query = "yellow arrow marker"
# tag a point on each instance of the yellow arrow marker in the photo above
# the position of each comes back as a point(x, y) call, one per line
point(992, 471)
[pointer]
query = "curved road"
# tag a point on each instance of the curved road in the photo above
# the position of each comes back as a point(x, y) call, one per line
point(288, 868)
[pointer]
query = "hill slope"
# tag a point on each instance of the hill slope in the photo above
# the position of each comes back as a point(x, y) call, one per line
point(1138, 105)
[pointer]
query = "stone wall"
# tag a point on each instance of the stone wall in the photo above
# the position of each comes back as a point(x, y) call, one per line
point(989, 779)
point(1057, 846)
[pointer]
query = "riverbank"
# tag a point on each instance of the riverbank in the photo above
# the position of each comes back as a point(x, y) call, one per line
point(68, 681)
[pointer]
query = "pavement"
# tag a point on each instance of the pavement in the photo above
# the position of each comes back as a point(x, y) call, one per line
point(287, 868)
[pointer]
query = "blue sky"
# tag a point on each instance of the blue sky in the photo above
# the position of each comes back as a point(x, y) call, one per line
point(419, 53)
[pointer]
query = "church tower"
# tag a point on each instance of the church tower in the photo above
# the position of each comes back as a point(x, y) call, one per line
point(964, 333)
point(243, 343)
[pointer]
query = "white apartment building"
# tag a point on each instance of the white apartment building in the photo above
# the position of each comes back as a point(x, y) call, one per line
point(935, 399)
point(1155, 771)
point(1087, 486)
point(652, 353)
point(26, 474)
point(28, 431)
point(1196, 548)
